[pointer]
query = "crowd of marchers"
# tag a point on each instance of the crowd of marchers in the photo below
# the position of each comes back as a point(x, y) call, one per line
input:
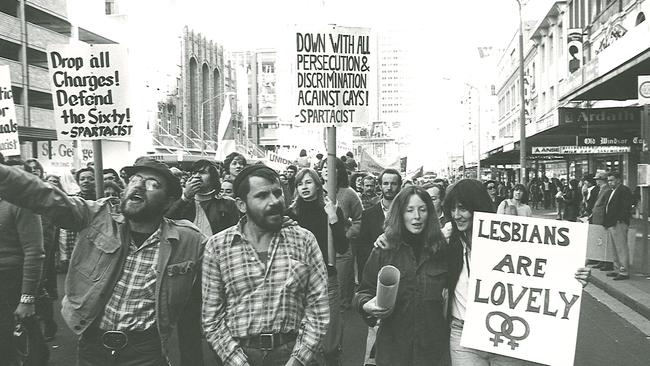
point(237, 255)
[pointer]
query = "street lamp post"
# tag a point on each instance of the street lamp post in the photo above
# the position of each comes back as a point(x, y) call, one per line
point(201, 126)
point(522, 111)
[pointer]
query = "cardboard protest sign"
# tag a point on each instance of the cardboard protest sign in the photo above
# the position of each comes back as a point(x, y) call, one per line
point(9, 143)
point(332, 70)
point(523, 299)
point(90, 91)
point(277, 162)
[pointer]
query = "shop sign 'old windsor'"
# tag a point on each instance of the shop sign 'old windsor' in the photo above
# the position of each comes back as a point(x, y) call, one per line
point(332, 71)
point(523, 298)
point(90, 91)
point(9, 144)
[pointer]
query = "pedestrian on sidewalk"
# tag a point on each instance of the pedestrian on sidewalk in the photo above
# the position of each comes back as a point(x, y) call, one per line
point(598, 214)
point(571, 200)
point(131, 274)
point(314, 211)
point(517, 204)
point(414, 331)
point(265, 298)
point(618, 212)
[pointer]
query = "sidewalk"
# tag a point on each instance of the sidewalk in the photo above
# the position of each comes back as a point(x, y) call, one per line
point(634, 292)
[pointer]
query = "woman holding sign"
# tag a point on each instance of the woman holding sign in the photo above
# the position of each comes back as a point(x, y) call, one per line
point(413, 330)
point(465, 198)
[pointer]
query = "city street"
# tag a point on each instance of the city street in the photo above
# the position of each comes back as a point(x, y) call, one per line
point(604, 338)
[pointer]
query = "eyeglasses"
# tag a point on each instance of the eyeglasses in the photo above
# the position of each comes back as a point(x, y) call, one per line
point(490, 187)
point(149, 183)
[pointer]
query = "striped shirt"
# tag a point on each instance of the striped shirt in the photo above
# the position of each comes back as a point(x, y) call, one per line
point(132, 306)
point(243, 297)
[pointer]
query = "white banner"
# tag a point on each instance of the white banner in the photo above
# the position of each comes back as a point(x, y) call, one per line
point(9, 143)
point(523, 299)
point(90, 91)
point(332, 71)
point(543, 150)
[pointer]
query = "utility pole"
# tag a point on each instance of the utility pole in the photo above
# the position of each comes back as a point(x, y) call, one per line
point(522, 112)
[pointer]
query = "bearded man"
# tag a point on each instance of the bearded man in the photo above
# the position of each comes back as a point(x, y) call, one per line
point(130, 274)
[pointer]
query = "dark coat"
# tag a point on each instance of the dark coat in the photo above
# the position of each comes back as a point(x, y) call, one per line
point(416, 333)
point(572, 199)
point(314, 219)
point(221, 212)
point(591, 200)
point(372, 225)
point(619, 208)
point(598, 211)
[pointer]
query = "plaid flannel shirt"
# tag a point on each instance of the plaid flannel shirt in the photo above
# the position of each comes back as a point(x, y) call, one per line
point(242, 297)
point(132, 306)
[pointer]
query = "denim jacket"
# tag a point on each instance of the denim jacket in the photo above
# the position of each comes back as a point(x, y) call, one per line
point(98, 256)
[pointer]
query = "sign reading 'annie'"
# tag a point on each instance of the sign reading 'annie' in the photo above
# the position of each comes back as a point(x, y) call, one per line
point(523, 299)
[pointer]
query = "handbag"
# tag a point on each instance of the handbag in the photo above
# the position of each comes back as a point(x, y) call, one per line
point(29, 344)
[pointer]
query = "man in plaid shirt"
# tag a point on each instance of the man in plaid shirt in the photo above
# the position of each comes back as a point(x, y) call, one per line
point(264, 285)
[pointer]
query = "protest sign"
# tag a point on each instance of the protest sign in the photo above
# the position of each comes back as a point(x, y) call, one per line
point(277, 161)
point(90, 91)
point(332, 70)
point(9, 144)
point(523, 299)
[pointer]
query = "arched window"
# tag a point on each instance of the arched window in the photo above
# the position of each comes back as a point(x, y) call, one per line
point(217, 104)
point(194, 100)
point(640, 18)
point(205, 95)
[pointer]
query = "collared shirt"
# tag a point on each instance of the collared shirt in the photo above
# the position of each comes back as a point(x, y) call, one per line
point(243, 297)
point(384, 208)
point(589, 192)
point(132, 306)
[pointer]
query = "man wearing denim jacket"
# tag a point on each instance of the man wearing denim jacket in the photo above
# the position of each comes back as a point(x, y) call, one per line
point(130, 274)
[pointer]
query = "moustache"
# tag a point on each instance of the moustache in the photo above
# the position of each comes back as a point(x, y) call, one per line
point(275, 210)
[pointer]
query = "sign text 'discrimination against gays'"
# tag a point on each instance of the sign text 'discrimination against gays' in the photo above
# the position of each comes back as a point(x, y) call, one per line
point(332, 70)
point(90, 91)
point(523, 298)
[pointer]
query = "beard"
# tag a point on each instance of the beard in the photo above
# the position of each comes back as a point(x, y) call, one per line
point(270, 219)
point(145, 211)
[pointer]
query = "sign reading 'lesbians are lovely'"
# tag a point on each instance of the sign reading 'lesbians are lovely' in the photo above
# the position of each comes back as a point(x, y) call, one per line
point(523, 299)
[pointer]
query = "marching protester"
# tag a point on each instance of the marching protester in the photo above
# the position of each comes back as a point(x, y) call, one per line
point(226, 189)
point(211, 213)
point(593, 191)
point(372, 225)
point(493, 190)
point(303, 160)
point(130, 275)
point(314, 211)
point(348, 200)
point(368, 195)
point(21, 263)
point(265, 298)
point(517, 205)
point(356, 180)
point(463, 199)
point(290, 173)
point(413, 332)
point(234, 163)
point(618, 212)
point(437, 194)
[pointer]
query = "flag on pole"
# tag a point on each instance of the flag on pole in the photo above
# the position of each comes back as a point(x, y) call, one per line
point(224, 123)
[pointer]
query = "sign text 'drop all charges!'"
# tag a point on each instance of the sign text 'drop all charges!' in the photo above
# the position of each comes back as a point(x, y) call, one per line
point(90, 91)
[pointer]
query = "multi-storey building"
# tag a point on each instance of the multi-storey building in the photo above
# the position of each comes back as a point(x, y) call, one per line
point(581, 91)
point(27, 27)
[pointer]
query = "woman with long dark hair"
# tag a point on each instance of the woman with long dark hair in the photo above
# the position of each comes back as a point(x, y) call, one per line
point(413, 332)
point(313, 210)
point(463, 199)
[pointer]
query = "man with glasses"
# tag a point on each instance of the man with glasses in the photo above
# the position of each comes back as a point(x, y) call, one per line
point(494, 197)
point(131, 275)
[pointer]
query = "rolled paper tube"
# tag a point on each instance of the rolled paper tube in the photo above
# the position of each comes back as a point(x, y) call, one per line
point(387, 285)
